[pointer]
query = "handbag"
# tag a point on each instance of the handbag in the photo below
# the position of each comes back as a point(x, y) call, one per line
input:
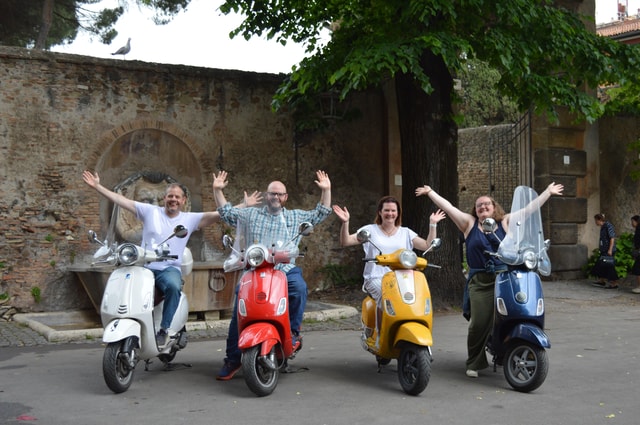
point(607, 259)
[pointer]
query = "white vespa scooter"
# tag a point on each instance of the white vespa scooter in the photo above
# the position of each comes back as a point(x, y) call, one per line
point(131, 309)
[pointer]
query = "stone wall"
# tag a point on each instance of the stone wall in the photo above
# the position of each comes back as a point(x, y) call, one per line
point(621, 200)
point(61, 114)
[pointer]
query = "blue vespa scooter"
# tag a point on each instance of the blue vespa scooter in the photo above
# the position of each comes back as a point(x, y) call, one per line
point(518, 341)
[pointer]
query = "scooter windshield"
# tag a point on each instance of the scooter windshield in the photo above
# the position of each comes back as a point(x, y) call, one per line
point(274, 235)
point(525, 235)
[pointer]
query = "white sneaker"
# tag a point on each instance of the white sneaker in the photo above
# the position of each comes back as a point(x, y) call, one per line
point(636, 290)
point(472, 373)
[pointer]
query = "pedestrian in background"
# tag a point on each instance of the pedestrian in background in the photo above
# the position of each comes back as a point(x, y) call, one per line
point(635, 270)
point(605, 267)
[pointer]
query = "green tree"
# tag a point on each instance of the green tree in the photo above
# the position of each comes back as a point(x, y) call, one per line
point(42, 24)
point(543, 52)
point(480, 103)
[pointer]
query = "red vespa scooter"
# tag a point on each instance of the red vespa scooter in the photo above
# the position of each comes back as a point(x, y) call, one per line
point(263, 307)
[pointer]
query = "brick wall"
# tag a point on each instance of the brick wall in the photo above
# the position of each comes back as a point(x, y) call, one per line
point(61, 114)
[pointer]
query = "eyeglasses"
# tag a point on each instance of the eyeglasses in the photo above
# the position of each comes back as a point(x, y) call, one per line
point(483, 204)
point(279, 195)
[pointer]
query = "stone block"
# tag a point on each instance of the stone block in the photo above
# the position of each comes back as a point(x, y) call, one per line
point(566, 162)
point(569, 183)
point(563, 233)
point(568, 257)
point(565, 210)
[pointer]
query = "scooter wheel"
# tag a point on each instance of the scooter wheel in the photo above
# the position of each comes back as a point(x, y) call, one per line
point(525, 366)
point(118, 374)
point(261, 375)
point(414, 368)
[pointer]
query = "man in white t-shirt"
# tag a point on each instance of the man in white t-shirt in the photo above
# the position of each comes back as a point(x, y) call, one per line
point(158, 222)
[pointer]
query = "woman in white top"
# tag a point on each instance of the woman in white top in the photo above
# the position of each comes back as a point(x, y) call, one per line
point(388, 234)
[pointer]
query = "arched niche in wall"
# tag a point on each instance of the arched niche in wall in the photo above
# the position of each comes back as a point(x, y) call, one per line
point(148, 146)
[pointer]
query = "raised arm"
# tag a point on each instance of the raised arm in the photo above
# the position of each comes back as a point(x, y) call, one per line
point(346, 239)
point(421, 243)
point(211, 217)
point(323, 182)
point(552, 189)
point(464, 221)
point(219, 183)
point(93, 180)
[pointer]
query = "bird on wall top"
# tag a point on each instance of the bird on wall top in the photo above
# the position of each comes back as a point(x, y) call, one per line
point(124, 49)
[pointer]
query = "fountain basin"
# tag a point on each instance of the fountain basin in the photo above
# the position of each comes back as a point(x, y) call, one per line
point(208, 288)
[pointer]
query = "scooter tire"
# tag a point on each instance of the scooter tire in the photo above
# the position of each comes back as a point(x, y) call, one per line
point(525, 366)
point(260, 379)
point(414, 368)
point(118, 375)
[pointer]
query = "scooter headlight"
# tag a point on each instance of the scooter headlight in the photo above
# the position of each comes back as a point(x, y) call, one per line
point(408, 259)
point(256, 256)
point(530, 260)
point(128, 254)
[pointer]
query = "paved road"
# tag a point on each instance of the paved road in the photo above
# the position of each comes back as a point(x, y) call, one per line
point(593, 378)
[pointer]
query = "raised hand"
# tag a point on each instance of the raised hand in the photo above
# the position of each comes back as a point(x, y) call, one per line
point(342, 213)
point(220, 180)
point(92, 180)
point(254, 199)
point(437, 216)
point(322, 180)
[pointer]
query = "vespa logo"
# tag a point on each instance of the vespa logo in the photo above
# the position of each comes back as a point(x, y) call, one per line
point(114, 325)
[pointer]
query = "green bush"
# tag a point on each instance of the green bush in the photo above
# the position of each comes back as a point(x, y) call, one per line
point(624, 259)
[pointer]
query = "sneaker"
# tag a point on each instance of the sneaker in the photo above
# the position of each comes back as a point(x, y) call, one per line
point(228, 370)
point(162, 337)
point(636, 290)
point(472, 373)
point(297, 342)
point(599, 283)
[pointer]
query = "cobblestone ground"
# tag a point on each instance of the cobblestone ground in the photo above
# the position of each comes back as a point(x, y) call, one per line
point(17, 335)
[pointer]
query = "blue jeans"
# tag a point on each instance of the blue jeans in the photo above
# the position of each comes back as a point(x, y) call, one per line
point(297, 303)
point(169, 281)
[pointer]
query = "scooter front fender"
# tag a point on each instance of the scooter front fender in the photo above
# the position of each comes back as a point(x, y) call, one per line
point(530, 333)
point(264, 334)
point(119, 329)
point(415, 333)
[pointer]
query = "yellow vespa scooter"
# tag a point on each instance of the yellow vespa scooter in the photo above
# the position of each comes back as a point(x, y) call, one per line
point(405, 316)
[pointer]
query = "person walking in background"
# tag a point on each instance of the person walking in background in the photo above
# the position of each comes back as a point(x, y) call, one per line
point(605, 267)
point(635, 270)
point(482, 268)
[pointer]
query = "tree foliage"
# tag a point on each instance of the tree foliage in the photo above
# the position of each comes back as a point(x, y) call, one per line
point(46, 23)
point(543, 53)
point(479, 101)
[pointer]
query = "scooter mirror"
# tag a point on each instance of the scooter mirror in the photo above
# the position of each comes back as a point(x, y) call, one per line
point(547, 243)
point(92, 236)
point(363, 235)
point(436, 244)
point(489, 225)
point(305, 228)
point(227, 241)
point(180, 231)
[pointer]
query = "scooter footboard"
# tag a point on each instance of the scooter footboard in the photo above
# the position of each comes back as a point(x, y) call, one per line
point(119, 329)
point(264, 334)
point(415, 333)
point(530, 333)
